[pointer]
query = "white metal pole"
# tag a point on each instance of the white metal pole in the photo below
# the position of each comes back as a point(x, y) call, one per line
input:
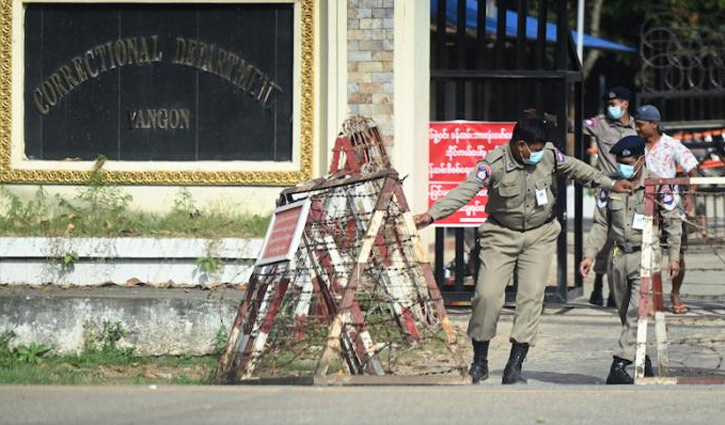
point(580, 30)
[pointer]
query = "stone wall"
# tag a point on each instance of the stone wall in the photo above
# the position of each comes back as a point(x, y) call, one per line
point(370, 61)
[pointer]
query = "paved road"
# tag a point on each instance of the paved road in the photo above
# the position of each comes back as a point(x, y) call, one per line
point(362, 405)
point(566, 371)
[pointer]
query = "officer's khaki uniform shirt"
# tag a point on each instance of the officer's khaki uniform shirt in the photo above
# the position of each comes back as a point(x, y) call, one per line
point(607, 133)
point(616, 219)
point(512, 187)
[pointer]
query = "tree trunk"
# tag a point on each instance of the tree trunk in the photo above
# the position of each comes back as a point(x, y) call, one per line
point(593, 54)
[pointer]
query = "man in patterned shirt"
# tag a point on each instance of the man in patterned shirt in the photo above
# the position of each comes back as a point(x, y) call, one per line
point(664, 154)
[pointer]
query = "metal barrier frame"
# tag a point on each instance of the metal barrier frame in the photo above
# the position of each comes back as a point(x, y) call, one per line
point(651, 293)
point(473, 60)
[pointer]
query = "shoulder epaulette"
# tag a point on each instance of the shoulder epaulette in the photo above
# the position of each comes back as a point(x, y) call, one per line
point(495, 154)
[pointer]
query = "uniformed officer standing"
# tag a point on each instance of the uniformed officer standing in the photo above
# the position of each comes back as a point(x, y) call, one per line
point(520, 232)
point(607, 129)
point(621, 220)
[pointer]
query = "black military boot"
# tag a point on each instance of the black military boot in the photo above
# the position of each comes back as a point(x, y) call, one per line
point(649, 371)
point(512, 371)
point(596, 295)
point(610, 302)
point(618, 373)
point(479, 367)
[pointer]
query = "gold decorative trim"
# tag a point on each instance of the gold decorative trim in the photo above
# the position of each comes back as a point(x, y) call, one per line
point(283, 178)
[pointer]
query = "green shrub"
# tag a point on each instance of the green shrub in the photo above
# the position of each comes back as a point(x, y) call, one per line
point(100, 209)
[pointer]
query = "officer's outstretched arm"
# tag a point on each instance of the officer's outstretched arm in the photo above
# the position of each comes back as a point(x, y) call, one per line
point(462, 194)
point(579, 171)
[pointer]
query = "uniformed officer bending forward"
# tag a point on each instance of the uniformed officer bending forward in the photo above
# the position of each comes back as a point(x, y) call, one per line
point(520, 232)
point(621, 220)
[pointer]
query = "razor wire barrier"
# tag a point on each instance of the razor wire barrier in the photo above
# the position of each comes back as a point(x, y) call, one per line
point(704, 226)
point(358, 298)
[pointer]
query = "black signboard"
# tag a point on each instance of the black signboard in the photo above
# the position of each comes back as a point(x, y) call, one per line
point(173, 82)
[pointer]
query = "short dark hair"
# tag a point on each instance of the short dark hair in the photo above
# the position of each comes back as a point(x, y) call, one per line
point(530, 130)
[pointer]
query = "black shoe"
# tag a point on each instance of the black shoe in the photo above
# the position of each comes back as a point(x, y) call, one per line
point(596, 295)
point(596, 298)
point(618, 373)
point(512, 371)
point(649, 371)
point(479, 367)
point(478, 372)
point(610, 302)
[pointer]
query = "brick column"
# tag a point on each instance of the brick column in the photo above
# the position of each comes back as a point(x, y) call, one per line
point(370, 62)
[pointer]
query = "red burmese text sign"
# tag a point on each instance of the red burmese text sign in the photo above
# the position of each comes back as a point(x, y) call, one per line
point(455, 147)
point(284, 232)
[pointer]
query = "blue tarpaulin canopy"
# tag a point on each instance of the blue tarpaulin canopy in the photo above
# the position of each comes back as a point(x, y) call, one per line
point(512, 24)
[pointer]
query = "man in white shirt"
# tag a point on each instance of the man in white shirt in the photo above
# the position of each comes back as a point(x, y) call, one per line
point(663, 155)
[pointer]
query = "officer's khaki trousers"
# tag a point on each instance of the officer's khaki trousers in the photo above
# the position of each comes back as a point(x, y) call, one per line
point(601, 263)
point(625, 271)
point(502, 249)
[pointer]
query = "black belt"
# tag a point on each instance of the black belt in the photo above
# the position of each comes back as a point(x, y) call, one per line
point(492, 220)
point(628, 248)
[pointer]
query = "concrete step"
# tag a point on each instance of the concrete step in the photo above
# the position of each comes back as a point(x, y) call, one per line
point(156, 321)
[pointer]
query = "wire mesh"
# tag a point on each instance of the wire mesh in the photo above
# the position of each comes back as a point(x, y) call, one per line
point(695, 341)
point(357, 262)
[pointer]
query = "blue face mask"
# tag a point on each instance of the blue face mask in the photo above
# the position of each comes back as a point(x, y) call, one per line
point(625, 171)
point(534, 157)
point(615, 112)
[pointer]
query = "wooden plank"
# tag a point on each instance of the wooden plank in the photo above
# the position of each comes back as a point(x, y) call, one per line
point(333, 341)
point(242, 358)
point(268, 322)
point(701, 380)
point(343, 314)
point(227, 357)
point(645, 283)
point(656, 381)
point(359, 380)
point(320, 184)
point(352, 380)
point(433, 289)
point(369, 238)
point(641, 350)
point(381, 257)
point(282, 380)
point(663, 361)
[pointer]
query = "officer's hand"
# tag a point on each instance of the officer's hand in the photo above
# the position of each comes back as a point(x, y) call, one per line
point(585, 266)
point(674, 268)
point(422, 220)
point(623, 186)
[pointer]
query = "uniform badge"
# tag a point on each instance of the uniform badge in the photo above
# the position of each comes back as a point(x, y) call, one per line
point(602, 199)
point(483, 172)
point(560, 157)
point(667, 198)
point(591, 122)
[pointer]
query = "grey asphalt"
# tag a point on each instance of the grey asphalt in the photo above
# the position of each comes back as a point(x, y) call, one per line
point(362, 405)
point(566, 371)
